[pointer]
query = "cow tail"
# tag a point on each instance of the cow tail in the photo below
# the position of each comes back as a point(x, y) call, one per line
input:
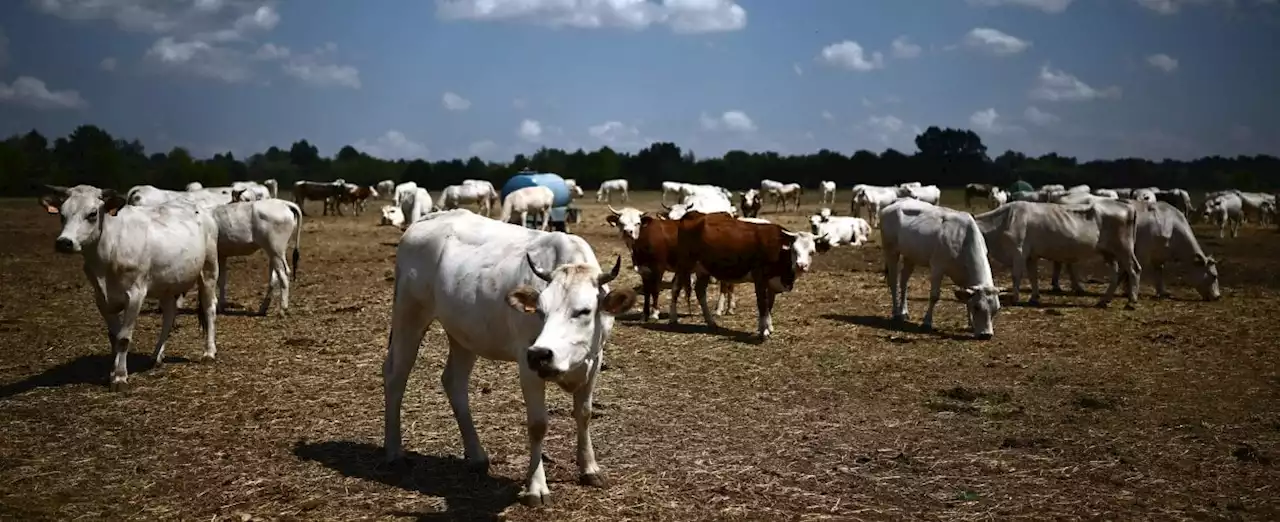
point(297, 239)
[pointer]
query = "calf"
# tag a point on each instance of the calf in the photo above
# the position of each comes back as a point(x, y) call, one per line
point(522, 201)
point(828, 192)
point(131, 253)
point(538, 299)
point(873, 199)
point(245, 228)
point(606, 190)
point(1021, 233)
point(790, 191)
point(912, 233)
point(734, 251)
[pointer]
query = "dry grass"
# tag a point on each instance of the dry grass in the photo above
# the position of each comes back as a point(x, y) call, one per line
point(1168, 412)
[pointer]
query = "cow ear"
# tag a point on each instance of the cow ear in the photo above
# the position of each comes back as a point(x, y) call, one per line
point(611, 220)
point(50, 204)
point(618, 301)
point(112, 201)
point(524, 299)
point(962, 294)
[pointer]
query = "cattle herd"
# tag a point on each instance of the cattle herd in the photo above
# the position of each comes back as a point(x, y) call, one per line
point(541, 299)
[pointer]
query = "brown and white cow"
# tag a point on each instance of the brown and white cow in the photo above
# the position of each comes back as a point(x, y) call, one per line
point(314, 190)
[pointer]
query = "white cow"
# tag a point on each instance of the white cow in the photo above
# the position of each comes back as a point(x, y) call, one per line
point(1106, 193)
point(790, 191)
point(910, 184)
point(930, 194)
point(1225, 210)
point(245, 228)
point(387, 189)
point(606, 190)
point(1049, 189)
point(873, 199)
point(149, 196)
point(627, 221)
point(194, 186)
point(768, 186)
point(1021, 233)
point(949, 242)
point(1165, 235)
point(392, 215)
point(534, 199)
point(538, 299)
point(479, 192)
point(131, 253)
point(407, 188)
point(1078, 189)
point(414, 205)
point(249, 191)
point(574, 190)
point(998, 197)
point(1144, 195)
point(706, 202)
point(1253, 203)
point(672, 188)
point(832, 231)
point(828, 192)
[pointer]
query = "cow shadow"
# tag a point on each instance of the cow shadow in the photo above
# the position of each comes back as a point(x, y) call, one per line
point(88, 369)
point(699, 328)
point(888, 324)
point(468, 495)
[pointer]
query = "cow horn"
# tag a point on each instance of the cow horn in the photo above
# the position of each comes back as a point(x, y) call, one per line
point(615, 212)
point(790, 233)
point(613, 274)
point(542, 274)
point(664, 206)
point(57, 189)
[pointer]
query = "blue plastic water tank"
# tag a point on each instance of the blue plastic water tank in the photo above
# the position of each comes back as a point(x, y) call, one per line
point(535, 179)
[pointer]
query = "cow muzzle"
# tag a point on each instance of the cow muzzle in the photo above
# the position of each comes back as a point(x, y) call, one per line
point(66, 245)
point(541, 361)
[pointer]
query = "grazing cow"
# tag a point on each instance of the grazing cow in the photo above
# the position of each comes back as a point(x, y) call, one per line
point(149, 196)
point(735, 251)
point(978, 190)
point(1253, 203)
point(627, 221)
point(706, 202)
point(828, 192)
point(131, 253)
point(1179, 198)
point(386, 189)
point(1164, 235)
point(1021, 233)
point(1106, 193)
point(790, 191)
point(325, 192)
point(1077, 198)
point(249, 191)
point(503, 293)
point(1078, 189)
point(749, 202)
point(470, 191)
point(245, 228)
point(606, 190)
point(950, 243)
point(873, 199)
point(356, 196)
point(672, 188)
point(767, 186)
point(1225, 210)
point(414, 206)
point(522, 201)
point(392, 215)
point(194, 186)
point(930, 194)
point(407, 188)
point(574, 190)
point(832, 231)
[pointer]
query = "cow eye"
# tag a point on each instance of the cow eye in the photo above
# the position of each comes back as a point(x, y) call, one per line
point(581, 312)
point(93, 216)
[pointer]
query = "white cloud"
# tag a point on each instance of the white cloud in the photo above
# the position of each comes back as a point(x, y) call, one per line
point(849, 55)
point(902, 48)
point(32, 92)
point(393, 145)
point(453, 102)
point(108, 64)
point(1048, 6)
point(199, 58)
point(735, 121)
point(1039, 117)
point(796, 67)
point(1056, 85)
point(483, 147)
point(828, 116)
point(270, 51)
point(988, 120)
point(681, 16)
point(888, 130)
point(613, 132)
point(317, 68)
point(1163, 62)
point(530, 131)
point(995, 42)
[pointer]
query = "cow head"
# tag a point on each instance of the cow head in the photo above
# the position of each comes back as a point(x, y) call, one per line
point(982, 303)
point(392, 215)
point(81, 214)
point(801, 245)
point(676, 211)
point(1207, 282)
point(573, 308)
point(627, 221)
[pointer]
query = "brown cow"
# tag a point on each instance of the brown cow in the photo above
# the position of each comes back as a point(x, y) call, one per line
point(735, 251)
point(653, 254)
point(304, 190)
point(355, 195)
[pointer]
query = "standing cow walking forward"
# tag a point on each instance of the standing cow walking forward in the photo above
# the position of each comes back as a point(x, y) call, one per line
point(505, 293)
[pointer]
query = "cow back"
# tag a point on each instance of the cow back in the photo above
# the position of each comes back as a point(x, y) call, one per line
point(730, 249)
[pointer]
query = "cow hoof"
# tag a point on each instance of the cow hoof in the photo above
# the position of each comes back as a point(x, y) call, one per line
point(1033, 302)
point(1165, 295)
point(594, 480)
point(478, 466)
point(534, 500)
point(207, 358)
point(120, 386)
point(1130, 306)
point(1080, 291)
point(1102, 304)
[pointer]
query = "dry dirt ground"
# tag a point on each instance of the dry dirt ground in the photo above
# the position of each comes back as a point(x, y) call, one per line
point(1168, 412)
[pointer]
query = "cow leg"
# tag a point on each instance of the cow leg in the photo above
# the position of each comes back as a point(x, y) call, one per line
point(1159, 275)
point(222, 284)
point(1112, 285)
point(588, 470)
point(409, 322)
point(725, 304)
point(454, 379)
point(700, 288)
point(1074, 274)
point(535, 492)
point(168, 312)
point(1033, 273)
point(1054, 284)
point(208, 299)
point(1134, 272)
point(277, 276)
point(546, 220)
point(764, 310)
point(672, 315)
point(123, 337)
point(936, 273)
point(650, 283)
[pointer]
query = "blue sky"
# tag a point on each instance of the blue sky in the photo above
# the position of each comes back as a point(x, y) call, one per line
point(452, 78)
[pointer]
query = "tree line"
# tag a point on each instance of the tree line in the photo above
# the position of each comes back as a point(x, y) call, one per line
point(945, 157)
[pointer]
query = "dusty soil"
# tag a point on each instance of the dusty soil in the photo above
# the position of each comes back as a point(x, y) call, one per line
point(1168, 412)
